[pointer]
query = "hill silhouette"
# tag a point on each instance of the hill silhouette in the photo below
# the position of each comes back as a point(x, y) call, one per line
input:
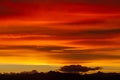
point(71, 72)
point(52, 75)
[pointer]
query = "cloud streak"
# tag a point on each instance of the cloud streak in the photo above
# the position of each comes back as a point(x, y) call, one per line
point(68, 54)
point(37, 48)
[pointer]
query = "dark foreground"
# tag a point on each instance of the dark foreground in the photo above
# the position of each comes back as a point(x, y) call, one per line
point(59, 76)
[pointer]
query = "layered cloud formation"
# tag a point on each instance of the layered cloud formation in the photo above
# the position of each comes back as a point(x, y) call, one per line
point(59, 31)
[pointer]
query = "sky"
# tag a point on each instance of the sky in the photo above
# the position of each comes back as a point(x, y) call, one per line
point(59, 32)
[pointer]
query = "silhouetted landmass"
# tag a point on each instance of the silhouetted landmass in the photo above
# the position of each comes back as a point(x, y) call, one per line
point(52, 75)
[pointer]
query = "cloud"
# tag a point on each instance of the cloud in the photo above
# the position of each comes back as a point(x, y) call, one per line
point(84, 22)
point(95, 32)
point(43, 30)
point(28, 30)
point(78, 56)
point(68, 54)
point(36, 48)
point(90, 37)
point(97, 43)
point(91, 34)
point(93, 51)
point(77, 69)
point(62, 49)
point(26, 51)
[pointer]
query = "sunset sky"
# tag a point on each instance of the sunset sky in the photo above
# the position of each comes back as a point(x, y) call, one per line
point(59, 32)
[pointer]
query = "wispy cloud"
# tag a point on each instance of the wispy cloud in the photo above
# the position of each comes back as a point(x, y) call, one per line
point(37, 48)
point(65, 53)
